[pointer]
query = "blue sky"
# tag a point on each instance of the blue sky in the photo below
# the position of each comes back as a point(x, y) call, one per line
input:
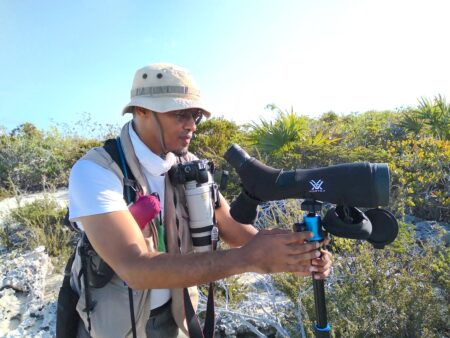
point(60, 59)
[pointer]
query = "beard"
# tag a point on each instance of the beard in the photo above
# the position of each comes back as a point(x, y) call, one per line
point(181, 152)
point(179, 149)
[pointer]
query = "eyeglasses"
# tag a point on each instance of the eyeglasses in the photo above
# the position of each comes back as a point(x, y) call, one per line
point(184, 116)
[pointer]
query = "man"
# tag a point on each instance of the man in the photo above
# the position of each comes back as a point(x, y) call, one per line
point(166, 107)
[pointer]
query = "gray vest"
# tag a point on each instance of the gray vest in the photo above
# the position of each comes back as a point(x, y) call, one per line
point(111, 316)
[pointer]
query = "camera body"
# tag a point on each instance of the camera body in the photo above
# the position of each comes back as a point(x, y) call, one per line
point(198, 170)
point(201, 196)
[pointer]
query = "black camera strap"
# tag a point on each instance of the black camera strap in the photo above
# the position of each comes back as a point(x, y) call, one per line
point(193, 323)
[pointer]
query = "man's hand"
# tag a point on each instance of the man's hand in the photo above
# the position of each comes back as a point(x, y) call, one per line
point(284, 251)
point(321, 266)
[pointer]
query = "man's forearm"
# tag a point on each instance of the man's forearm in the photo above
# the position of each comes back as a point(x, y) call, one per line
point(267, 252)
point(124, 248)
point(174, 271)
point(233, 233)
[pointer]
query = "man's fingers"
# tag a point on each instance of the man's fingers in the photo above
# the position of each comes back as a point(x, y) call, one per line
point(304, 257)
point(274, 231)
point(320, 268)
point(303, 270)
point(295, 249)
point(317, 263)
point(321, 275)
point(324, 258)
point(322, 265)
point(298, 237)
point(289, 236)
point(326, 239)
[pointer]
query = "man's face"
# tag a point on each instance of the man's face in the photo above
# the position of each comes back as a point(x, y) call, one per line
point(177, 127)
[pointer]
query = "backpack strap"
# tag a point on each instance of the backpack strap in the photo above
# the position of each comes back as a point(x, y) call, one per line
point(130, 185)
point(67, 317)
point(85, 274)
point(130, 188)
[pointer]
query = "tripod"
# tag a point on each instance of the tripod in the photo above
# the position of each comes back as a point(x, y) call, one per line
point(312, 222)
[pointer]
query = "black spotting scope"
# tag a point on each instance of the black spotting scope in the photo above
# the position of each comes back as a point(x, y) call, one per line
point(348, 185)
point(351, 184)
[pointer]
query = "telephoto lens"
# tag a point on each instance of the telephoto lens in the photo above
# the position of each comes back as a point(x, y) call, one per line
point(196, 176)
point(201, 214)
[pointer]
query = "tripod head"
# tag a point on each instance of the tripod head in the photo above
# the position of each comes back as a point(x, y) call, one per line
point(346, 185)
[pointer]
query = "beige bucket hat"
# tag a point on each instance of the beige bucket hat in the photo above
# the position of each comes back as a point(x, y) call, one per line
point(164, 87)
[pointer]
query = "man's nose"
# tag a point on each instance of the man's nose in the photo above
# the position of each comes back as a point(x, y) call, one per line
point(190, 123)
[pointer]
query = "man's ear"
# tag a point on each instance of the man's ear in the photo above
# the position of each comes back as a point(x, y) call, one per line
point(143, 113)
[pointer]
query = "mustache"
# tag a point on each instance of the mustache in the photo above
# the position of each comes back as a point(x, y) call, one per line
point(188, 134)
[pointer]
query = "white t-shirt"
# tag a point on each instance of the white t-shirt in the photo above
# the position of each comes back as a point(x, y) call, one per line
point(95, 190)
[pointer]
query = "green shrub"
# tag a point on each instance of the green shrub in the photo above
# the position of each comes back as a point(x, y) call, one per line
point(378, 294)
point(31, 160)
point(369, 129)
point(39, 223)
point(213, 138)
point(430, 117)
point(280, 135)
point(420, 171)
point(228, 291)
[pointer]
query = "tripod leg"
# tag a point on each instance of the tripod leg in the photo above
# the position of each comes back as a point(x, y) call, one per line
point(322, 328)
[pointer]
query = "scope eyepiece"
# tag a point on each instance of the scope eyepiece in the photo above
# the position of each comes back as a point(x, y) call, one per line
point(236, 156)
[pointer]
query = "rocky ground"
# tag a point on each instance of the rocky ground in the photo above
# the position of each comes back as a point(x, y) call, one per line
point(29, 284)
point(28, 290)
